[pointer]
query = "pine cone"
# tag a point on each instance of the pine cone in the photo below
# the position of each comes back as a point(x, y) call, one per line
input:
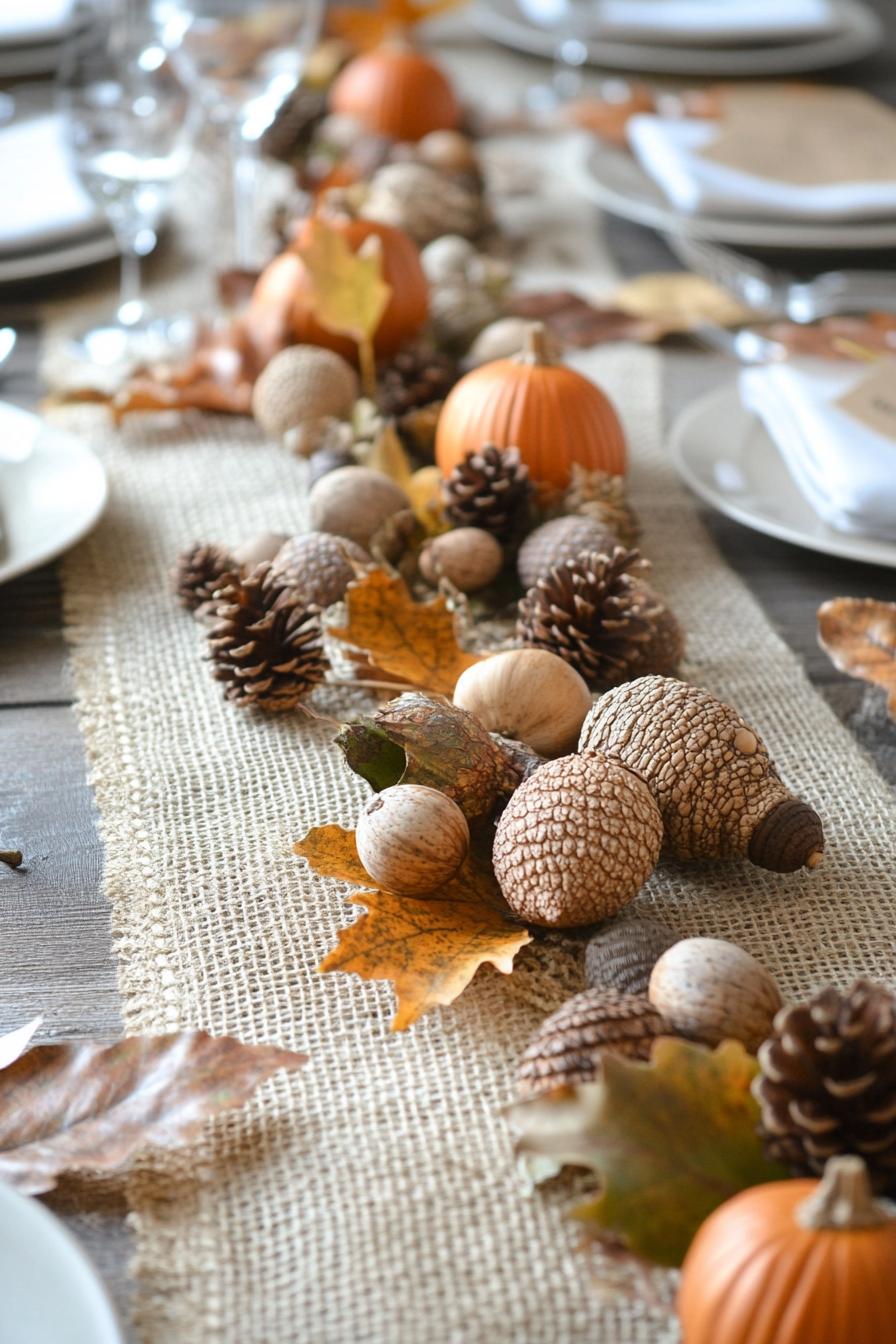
point(490, 489)
point(598, 614)
point(414, 377)
point(199, 572)
point(597, 495)
point(266, 644)
point(827, 1083)
point(291, 131)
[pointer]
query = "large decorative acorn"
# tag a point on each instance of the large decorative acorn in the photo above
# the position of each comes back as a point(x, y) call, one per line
point(553, 414)
point(710, 774)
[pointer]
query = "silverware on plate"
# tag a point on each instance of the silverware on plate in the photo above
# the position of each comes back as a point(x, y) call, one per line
point(8, 338)
point(779, 294)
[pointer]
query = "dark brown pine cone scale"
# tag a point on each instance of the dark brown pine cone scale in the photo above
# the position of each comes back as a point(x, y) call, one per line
point(414, 377)
point(199, 572)
point(490, 489)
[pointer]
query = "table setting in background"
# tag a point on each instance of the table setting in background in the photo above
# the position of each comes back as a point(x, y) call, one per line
point(455, 443)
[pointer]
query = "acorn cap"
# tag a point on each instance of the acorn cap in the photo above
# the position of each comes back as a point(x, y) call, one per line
point(568, 1046)
point(576, 842)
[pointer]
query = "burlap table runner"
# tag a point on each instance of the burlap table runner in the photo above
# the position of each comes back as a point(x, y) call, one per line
point(373, 1197)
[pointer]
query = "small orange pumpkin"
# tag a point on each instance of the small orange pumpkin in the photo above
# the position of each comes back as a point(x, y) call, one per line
point(396, 91)
point(554, 415)
point(280, 313)
point(795, 1262)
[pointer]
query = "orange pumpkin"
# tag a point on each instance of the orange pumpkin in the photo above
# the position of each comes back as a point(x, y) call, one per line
point(280, 313)
point(795, 1262)
point(554, 415)
point(396, 91)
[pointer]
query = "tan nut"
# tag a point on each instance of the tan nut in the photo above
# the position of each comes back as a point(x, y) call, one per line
point(529, 695)
point(412, 839)
point(712, 990)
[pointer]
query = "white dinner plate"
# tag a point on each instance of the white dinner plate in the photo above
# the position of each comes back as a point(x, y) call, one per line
point(52, 491)
point(68, 257)
point(51, 1293)
point(859, 32)
point(615, 180)
point(742, 474)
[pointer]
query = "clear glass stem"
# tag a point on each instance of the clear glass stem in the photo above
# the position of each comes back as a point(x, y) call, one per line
point(130, 302)
point(245, 168)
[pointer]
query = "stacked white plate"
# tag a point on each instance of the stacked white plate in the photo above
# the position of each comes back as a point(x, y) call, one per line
point(715, 38)
point(32, 33)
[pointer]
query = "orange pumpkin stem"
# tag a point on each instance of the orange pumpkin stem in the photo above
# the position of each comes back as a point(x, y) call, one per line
point(535, 345)
point(843, 1199)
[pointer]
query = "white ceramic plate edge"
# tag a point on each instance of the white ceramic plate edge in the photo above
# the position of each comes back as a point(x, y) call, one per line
point(37, 1224)
point(799, 235)
point(34, 265)
point(860, 34)
point(723, 406)
point(78, 527)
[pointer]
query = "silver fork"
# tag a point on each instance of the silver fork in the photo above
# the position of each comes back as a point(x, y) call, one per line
point(779, 294)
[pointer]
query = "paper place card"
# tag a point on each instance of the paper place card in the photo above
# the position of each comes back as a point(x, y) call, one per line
point(805, 135)
point(872, 400)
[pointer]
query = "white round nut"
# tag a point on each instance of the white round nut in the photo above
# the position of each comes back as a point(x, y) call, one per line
point(412, 839)
point(530, 695)
point(712, 990)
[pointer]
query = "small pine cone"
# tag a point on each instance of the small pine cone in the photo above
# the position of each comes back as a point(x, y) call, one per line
point(597, 613)
point(199, 572)
point(827, 1082)
point(267, 642)
point(490, 489)
point(567, 1048)
point(292, 130)
point(416, 376)
point(560, 540)
point(597, 495)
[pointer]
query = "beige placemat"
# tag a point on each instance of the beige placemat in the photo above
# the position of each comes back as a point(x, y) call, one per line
point(373, 1197)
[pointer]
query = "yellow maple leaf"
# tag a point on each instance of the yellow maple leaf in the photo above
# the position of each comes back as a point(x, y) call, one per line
point(367, 28)
point(416, 641)
point(429, 947)
point(348, 292)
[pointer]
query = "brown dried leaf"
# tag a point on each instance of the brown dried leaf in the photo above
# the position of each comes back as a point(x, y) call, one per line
point(576, 322)
point(83, 1105)
point(416, 641)
point(859, 338)
point(859, 636)
point(608, 118)
point(678, 301)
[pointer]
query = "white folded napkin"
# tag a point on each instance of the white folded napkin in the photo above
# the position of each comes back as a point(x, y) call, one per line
point(43, 201)
point(668, 150)
point(712, 22)
point(28, 21)
point(845, 469)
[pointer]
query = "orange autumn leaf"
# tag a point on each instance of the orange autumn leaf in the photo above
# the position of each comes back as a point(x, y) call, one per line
point(859, 636)
point(331, 851)
point(416, 641)
point(367, 28)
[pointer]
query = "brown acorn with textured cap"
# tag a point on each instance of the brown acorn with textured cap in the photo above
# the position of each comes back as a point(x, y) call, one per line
point(827, 1082)
point(622, 955)
point(568, 1046)
point(490, 489)
point(266, 645)
point(560, 540)
point(598, 614)
point(717, 789)
point(576, 842)
point(320, 565)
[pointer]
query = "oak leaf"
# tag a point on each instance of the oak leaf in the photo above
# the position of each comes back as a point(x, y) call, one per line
point(429, 947)
point(668, 1140)
point(859, 636)
point(84, 1105)
point(678, 301)
point(861, 338)
point(416, 641)
point(576, 322)
point(367, 28)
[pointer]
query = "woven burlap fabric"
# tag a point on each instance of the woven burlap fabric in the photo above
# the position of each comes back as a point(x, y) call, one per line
point(373, 1196)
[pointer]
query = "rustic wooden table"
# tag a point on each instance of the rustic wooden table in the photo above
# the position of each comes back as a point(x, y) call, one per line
point(54, 922)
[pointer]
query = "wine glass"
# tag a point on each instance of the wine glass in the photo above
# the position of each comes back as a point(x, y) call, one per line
point(247, 57)
point(569, 22)
point(129, 122)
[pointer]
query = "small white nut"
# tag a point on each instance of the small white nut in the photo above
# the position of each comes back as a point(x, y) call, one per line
point(412, 839)
point(713, 990)
point(258, 550)
point(354, 502)
point(530, 695)
point(450, 150)
point(468, 557)
point(447, 259)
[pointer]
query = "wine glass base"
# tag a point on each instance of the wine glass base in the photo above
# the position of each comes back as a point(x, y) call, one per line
point(150, 340)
